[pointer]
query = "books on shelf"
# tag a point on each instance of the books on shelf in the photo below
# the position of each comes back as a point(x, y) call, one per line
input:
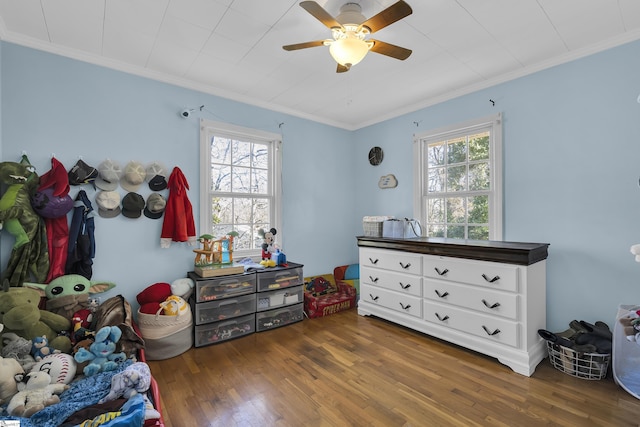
point(219, 270)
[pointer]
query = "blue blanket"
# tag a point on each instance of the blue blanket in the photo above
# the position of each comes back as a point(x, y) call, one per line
point(82, 393)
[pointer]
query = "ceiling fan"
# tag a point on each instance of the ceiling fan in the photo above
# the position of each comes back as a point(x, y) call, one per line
point(350, 31)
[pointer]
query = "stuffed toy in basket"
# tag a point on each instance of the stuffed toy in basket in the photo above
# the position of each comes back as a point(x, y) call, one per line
point(165, 335)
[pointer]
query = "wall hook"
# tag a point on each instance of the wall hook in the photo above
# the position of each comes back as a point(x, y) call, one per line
point(493, 103)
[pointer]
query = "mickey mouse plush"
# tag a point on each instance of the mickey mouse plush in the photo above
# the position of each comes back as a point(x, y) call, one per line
point(268, 246)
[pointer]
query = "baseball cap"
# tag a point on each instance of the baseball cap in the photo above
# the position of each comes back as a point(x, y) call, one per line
point(109, 174)
point(133, 176)
point(82, 173)
point(132, 205)
point(155, 206)
point(108, 204)
point(157, 176)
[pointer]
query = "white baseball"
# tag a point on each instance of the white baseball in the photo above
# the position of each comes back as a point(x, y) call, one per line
point(60, 366)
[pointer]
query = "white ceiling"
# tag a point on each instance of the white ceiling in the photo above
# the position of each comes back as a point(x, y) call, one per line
point(233, 48)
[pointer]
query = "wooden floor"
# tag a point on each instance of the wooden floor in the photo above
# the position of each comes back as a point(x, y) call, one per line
point(348, 370)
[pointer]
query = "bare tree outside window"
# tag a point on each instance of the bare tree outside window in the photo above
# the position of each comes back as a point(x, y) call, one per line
point(241, 186)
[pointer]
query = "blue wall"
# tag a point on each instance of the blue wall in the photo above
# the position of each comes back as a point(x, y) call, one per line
point(571, 166)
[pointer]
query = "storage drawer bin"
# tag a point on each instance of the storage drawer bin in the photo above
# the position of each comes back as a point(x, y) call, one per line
point(223, 287)
point(280, 277)
point(227, 308)
point(225, 330)
point(278, 298)
point(266, 320)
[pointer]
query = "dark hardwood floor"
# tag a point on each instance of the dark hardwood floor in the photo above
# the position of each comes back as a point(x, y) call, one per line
point(348, 370)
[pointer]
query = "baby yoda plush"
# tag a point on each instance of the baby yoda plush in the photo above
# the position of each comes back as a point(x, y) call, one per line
point(20, 314)
point(69, 293)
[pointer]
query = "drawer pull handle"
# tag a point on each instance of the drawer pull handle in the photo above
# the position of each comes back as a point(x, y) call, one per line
point(405, 307)
point(486, 304)
point(404, 266)
point(442, 295)
point(407, 286)
point(484, 276)
point(442, 319)
point(373, 298)
point(374, 280)
point(374, 262)
point(441, 273)
point(496, 332)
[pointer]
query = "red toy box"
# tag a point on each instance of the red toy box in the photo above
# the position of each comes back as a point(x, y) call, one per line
point(322, 297)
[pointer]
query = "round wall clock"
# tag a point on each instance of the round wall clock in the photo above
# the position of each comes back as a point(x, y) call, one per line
point(375, 156)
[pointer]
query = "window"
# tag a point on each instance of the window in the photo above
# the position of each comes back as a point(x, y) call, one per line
point(458, 180)
point(240, 184)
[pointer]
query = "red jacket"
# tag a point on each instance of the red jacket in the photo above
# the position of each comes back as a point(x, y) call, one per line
point(178, 225)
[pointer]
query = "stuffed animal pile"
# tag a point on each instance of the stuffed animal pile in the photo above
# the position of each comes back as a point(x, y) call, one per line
point(41, 351)
point(160, 298)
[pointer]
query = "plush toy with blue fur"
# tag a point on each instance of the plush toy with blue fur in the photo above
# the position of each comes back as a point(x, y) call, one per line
point(40, 348)
point(101, 356)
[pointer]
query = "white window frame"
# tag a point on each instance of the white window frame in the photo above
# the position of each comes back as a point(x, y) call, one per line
point(208, 129)
point(494, 125)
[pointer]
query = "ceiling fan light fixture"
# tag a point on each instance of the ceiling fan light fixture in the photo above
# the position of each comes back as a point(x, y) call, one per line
point(350, 50)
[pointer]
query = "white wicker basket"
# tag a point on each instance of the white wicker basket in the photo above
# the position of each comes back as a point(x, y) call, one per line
point(588, 366)
point(372, 225)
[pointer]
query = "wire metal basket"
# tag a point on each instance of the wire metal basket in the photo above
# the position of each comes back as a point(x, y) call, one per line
point(588, 366)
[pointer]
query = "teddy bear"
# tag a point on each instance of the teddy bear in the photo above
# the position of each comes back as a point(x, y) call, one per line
point(174, 306)
point(40, 348)
point(20, 314)
point(631, 326)
point(9, 368)
point(38, 394)
point(101, 356)
point(134, 379)
point(17, 348)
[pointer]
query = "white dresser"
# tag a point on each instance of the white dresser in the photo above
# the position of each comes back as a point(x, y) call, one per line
point(486, 296)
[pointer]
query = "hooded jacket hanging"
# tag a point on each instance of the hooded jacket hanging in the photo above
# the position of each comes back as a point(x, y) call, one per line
point(50, 201)
point(178, 225)
point(82, 245)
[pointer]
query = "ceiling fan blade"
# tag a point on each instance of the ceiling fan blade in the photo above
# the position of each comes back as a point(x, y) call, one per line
point(320, 14)
point(392, 14)
point(303, 45)
point(342, 69)
point(389, 49)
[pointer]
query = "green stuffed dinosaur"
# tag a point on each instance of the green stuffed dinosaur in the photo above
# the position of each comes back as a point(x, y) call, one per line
point(30, 251)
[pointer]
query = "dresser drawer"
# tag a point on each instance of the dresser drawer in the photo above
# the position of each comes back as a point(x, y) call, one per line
point(402, 262)
point(223, 287)
point(403, 283)
point(279, 298)
point(280, 278)
point(492, 328)
point(477, 298)
point(271, 319)
point(480, 273)
point(403, 303)
point(225, 330)
point(227, 308)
